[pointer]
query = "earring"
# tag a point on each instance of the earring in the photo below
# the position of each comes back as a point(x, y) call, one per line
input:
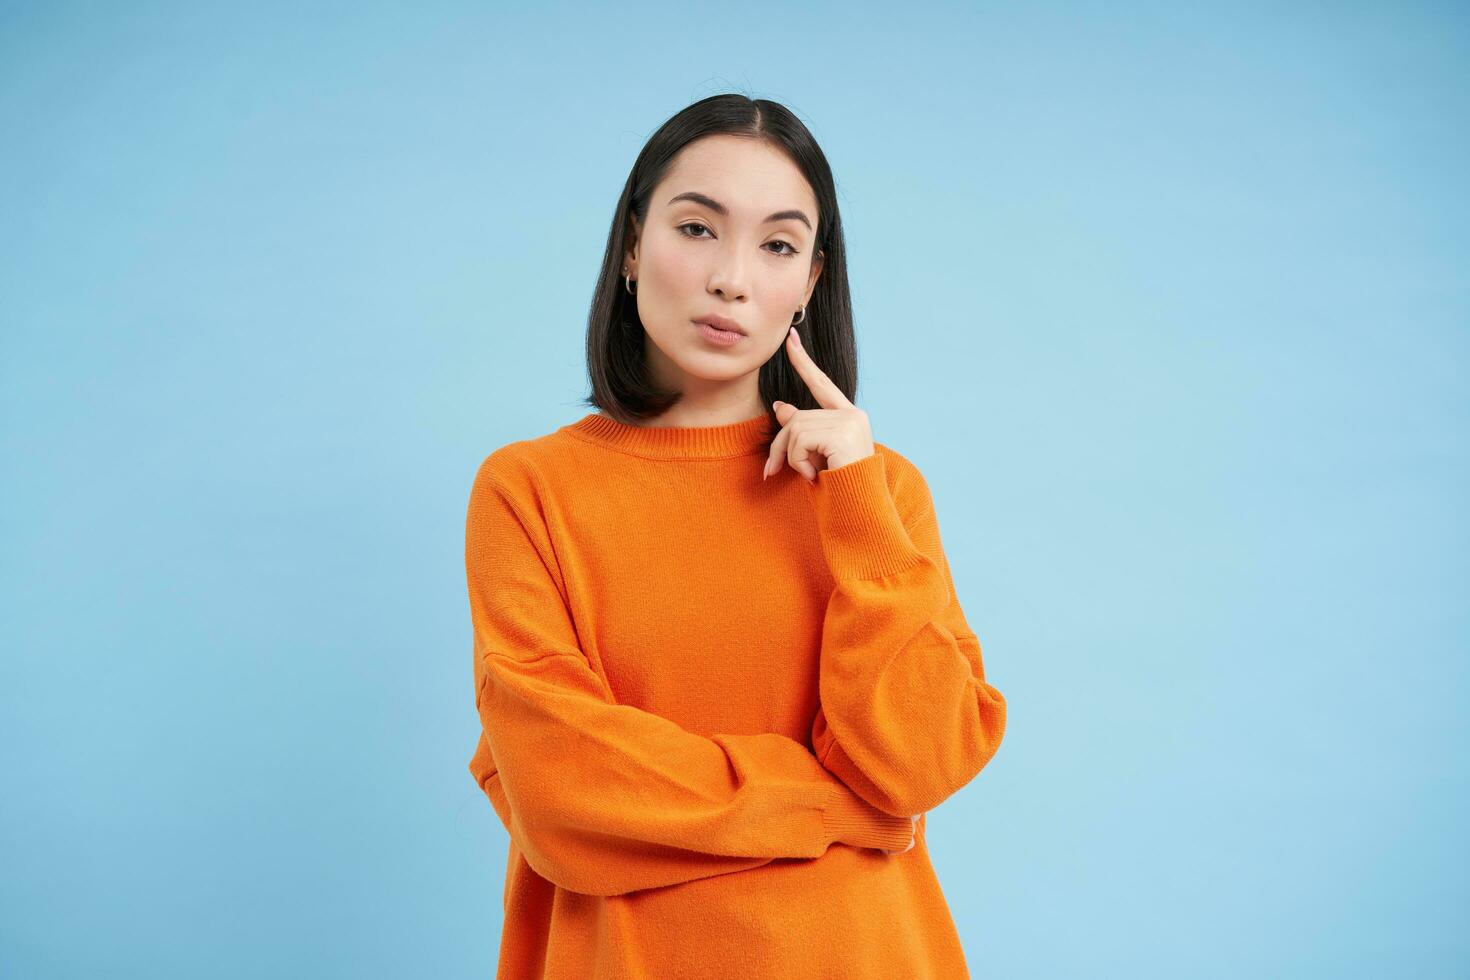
point(628, 284)
point(800, 318)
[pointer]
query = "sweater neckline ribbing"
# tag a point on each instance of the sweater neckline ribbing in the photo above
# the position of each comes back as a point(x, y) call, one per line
point(674, 442)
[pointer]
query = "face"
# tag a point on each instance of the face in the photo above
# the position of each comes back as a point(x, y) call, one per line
point(730, 231)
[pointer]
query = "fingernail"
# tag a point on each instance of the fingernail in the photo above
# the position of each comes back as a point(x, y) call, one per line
point(796, 335)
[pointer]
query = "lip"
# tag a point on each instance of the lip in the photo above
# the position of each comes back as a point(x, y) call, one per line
point(720, 338)
point(721, 322)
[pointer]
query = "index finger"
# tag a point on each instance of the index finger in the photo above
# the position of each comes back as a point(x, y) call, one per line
point(823, 388)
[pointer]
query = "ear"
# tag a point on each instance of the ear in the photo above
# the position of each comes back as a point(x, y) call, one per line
point(812, 278)
point(631, 256)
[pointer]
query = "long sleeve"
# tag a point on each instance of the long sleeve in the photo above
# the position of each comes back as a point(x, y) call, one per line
point(907, 718)
point(604, 798)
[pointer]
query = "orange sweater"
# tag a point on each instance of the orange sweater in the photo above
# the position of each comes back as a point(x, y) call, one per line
point(709, 704)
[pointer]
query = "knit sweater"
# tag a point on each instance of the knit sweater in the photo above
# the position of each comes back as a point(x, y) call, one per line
point(711, 704)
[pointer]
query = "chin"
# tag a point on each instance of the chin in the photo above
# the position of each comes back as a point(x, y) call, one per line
point(728, 370)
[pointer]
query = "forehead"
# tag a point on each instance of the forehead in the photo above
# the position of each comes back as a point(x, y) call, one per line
point(748, 176)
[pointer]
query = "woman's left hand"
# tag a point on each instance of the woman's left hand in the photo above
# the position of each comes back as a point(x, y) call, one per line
point(817, 438)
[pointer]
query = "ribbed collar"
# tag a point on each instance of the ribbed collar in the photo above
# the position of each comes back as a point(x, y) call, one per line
point(673, 442)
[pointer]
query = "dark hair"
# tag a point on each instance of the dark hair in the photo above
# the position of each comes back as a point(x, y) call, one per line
point(621, 385)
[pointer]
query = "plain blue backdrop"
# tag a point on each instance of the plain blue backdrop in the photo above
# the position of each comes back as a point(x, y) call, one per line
point(1168, 301)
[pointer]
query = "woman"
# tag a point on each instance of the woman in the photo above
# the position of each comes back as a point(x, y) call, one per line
point(719, 662)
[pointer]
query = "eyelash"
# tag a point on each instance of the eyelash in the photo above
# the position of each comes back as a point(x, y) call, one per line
point(698, 224)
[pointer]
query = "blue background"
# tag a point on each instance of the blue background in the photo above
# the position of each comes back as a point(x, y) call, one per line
point(1167, 300)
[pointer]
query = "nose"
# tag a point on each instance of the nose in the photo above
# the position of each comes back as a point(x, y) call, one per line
point(728, 277)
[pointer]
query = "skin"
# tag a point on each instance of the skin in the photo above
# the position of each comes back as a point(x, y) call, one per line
point(689, 260)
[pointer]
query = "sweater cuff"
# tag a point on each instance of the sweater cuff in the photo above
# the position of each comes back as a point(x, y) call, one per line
point(850, 819)
point(861, 530)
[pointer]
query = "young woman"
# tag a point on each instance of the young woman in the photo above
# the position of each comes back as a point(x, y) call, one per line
point(720, 665)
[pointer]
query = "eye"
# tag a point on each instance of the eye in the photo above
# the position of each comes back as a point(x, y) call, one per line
point(790, 249)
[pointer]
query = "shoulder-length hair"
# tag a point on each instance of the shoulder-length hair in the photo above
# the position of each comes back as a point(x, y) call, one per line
point(620, 384)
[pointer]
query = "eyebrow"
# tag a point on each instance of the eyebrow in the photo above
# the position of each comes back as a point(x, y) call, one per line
point(719, 208)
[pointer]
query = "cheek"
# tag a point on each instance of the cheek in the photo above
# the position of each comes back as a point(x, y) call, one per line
point(793, 288)
point(672, 269)
point(786, 294)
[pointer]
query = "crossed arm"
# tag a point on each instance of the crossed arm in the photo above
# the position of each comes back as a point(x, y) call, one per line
point(604, 798)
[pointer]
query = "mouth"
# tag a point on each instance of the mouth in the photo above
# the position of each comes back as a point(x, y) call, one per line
point(715, 335)
point(721, 323)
